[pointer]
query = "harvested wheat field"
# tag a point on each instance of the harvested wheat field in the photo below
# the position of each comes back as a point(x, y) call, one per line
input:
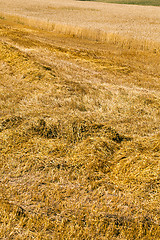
point(79, 121)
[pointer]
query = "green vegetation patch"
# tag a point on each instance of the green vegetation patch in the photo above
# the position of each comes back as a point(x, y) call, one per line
point(134, 2)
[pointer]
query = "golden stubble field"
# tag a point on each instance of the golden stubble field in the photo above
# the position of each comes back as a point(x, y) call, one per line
point(134, 21)
point(79, 121)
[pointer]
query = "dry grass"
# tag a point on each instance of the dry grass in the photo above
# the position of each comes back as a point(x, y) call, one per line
point(79, 136)
point(87, 33)
point(125, 20)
